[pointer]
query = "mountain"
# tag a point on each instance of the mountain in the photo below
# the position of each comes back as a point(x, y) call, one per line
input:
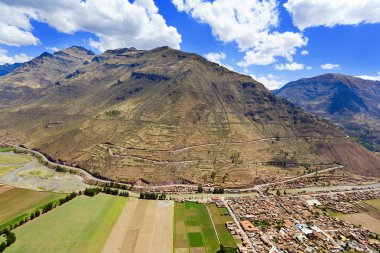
point(351, 102)
point(163, 116)
point(7, 68)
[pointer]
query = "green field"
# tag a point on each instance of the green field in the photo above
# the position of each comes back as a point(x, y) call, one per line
point(220, 216)
point(374, 202)
point(193, 228)
point(16, 204)
point(5, 149)
point(81, 225)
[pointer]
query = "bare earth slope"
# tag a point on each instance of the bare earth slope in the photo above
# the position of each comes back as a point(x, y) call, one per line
point(163, 116)
point(349, 101)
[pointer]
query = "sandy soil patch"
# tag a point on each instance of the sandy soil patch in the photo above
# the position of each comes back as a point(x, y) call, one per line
point(143, 226)
point(5, 188)
point(181, 250)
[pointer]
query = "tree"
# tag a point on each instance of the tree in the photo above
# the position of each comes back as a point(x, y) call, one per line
point(227, 249)
point(200, 189)
point(278, 193)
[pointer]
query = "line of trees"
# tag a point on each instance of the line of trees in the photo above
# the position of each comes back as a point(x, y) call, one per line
point(149, 195)
point(9, 236)
point(218, 190)
point(106, 190)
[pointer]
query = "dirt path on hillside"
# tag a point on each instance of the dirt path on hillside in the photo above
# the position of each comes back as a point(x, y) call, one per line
point(143, 226)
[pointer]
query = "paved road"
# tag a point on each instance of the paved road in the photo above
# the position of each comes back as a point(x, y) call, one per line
point(238, 224)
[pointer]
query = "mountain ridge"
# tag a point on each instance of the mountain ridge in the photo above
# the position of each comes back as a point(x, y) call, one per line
point(346, 100)
point(164, 116)
point(7, 68)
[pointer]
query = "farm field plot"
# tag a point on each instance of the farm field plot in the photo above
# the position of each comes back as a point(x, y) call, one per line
point(369, 219)
point(15, 203)
point(144, 226)
point(81, 225)
point(364, 219)
point(220, 216)
point(193, 230)
point(374, 202)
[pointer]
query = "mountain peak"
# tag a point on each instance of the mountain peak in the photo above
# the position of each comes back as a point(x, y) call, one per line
point(75, 51)
point(45, 54)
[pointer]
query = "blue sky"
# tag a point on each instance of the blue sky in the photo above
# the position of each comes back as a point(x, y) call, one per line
point(274, 41)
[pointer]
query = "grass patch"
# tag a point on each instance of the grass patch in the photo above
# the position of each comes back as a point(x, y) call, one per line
point(261, 223)
point(187, 217)
point(11, 159)
point(81, 225)
point(5, 149)
point(220, 217)
point(16, 203)
point(37, 173)
point(195, 240)
point(223, 211)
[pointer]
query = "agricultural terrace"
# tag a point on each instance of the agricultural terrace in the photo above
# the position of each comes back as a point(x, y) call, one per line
point(16, 204)
point(193, 229)
point(220, 216)
point(81, 225)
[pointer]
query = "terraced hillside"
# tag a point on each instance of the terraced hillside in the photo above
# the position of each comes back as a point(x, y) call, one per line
point(164, 116)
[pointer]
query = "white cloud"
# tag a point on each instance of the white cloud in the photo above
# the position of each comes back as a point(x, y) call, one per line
point(330, 66)
point(311, 13)
point(4, 58)
point(290, 66)
point(309, 67)
point(116, 23)
point(269, 82)
point(15, 28)
point(249, 24)
point(52, 49)
point(215, 57)
point(304, 52)
point(272, 46)
point(372, 78)
point(218, 57)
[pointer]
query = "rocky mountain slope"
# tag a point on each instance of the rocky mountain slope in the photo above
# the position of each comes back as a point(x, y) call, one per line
point(163, 116)
point(7, 68)
point(352, 102)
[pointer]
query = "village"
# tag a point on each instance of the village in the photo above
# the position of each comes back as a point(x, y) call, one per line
point(296, 223)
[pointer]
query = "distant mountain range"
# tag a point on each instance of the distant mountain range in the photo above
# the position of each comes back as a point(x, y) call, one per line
point(163, 116)
point(351, 102)
point(7, 68)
